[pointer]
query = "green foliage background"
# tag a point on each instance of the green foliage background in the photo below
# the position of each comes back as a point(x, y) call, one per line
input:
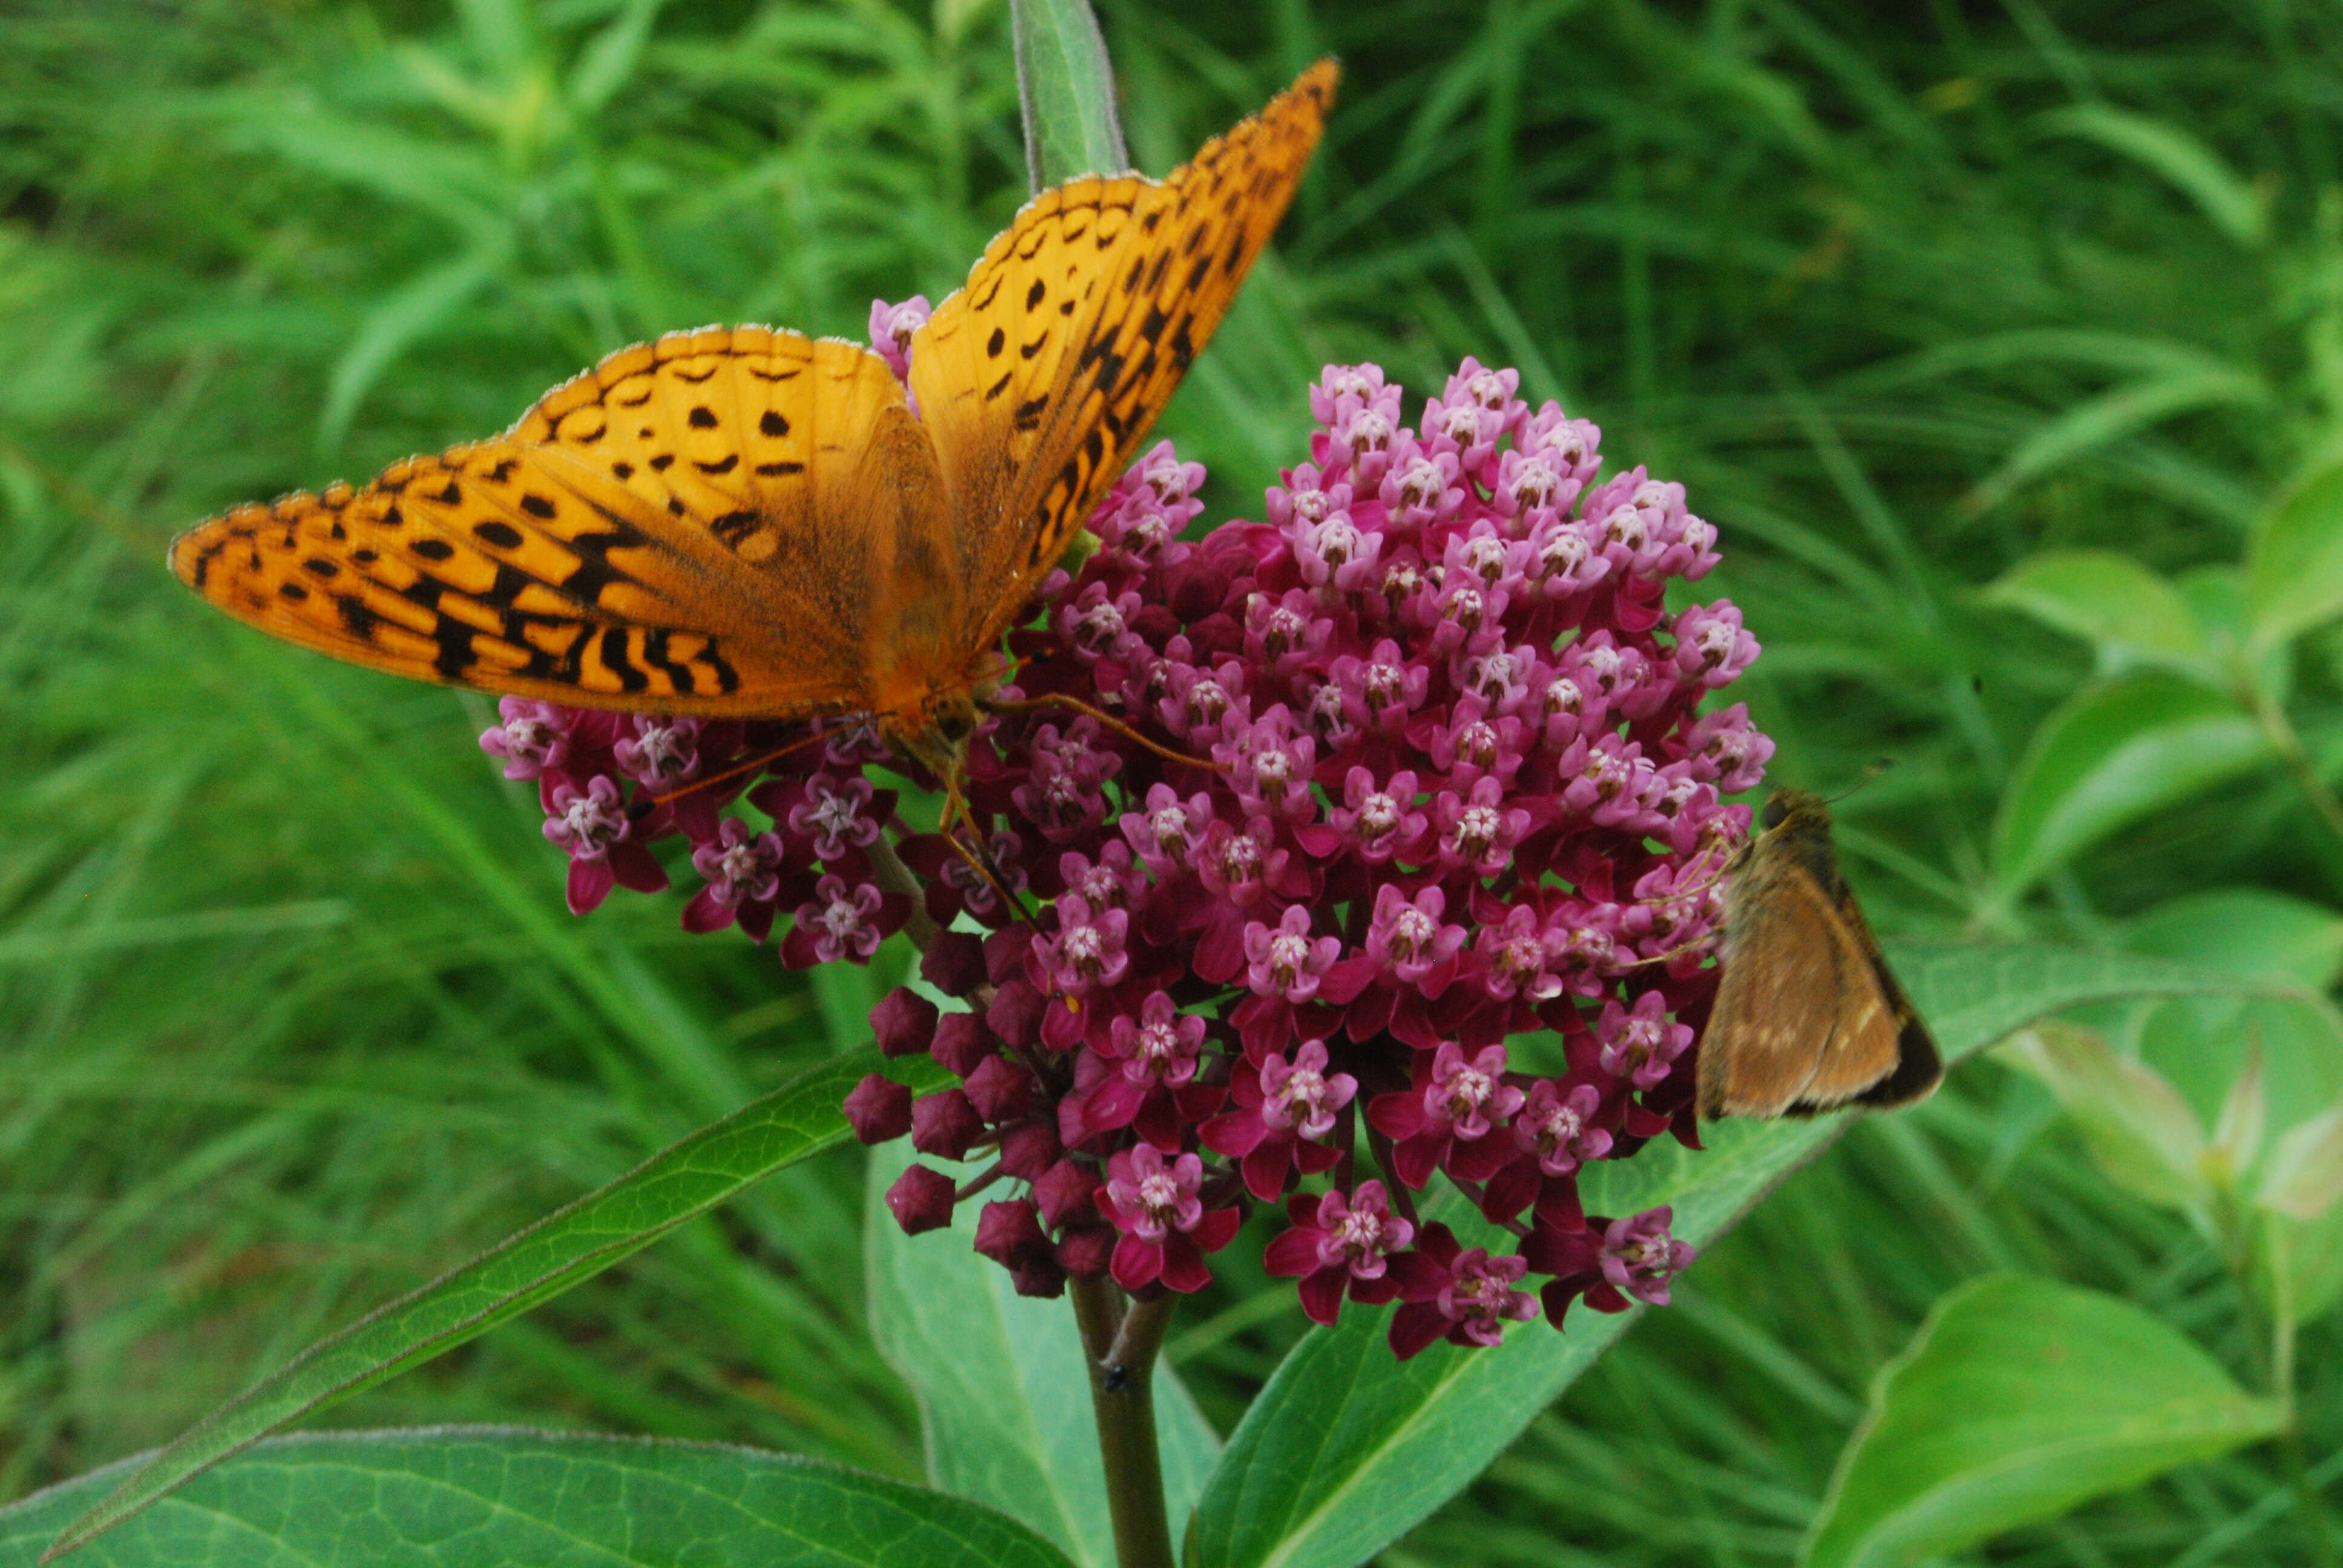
point(290, 1015)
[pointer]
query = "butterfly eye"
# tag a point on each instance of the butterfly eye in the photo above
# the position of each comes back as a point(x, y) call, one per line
point(1776, 810)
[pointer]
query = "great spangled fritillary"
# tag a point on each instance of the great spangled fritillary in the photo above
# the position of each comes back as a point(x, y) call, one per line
point(748, 522)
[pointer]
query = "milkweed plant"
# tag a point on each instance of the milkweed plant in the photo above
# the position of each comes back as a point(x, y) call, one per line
point(1334, 891)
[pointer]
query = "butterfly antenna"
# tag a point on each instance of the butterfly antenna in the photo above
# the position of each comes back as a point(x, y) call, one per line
point(751, 766)
point(1076, 705)
point(1878, 765)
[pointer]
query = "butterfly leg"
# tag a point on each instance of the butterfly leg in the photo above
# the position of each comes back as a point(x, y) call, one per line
point(1076, 705)
point(956, 812)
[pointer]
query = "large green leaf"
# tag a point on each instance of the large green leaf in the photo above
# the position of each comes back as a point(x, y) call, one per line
point(490, 1497)
point(564, 1249)
point(2020, 1398)
point(2111, 756)
point(1347, 1448)
point(1004, 1401)
point(2131, 613)
point(2294, 571)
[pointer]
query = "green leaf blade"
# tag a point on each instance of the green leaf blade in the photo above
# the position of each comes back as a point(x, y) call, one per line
point(2294, 568)
point(2110, 756)
point(571, 1245)
point(486, 1497)
point(1067, 88)
point(2020, 1398)
point(2106, 598)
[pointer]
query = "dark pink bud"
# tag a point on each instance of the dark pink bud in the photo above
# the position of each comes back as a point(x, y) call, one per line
point(1015, 1014)
point(904, 1021)
point(1004, 953)
point(879, 1109)
point(1085, 1253)
point(1040, 1274)
point(954, 962)
point(1000, 1089)
point(944, 1124)
point(1007, 1233)
point(1027, 1150)
point(921, 1199)
point(1064, 1192)
point(962, 1043)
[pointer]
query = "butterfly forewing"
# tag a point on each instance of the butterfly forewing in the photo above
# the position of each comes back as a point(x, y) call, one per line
point(1777, 1002)
point(1807, 1016)
point(1039, 378)
point(749, 522)
point(687, 527)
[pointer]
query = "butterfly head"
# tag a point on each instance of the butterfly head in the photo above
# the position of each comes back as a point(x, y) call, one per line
point(935, 731)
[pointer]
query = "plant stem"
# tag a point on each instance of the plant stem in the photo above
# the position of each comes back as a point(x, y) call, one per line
point(2296, 762)
point(2309, 1507)
point(1119, 1341)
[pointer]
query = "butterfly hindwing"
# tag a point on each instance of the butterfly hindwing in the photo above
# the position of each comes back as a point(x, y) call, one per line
point(687, 527)
point(1039, 378)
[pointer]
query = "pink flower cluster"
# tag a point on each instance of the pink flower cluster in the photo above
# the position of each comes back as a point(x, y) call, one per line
point(613, 784)
point(1425, 784)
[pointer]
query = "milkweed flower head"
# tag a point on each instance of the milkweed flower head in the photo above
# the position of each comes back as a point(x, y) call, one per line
point(1413, 881)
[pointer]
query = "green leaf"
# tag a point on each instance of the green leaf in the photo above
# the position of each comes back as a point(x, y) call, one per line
point(2142, 1132)
point(486, 1497)
point(2110, 756)
point(2294, 568)
point(2020, 1398)
point(2131, 613)
point(2230, 204)
point(2121, 411)
point(563, 1250)
point(1348, 1448)
point(2248, 932)
point(2304, 1179)
point(1067, 88)
point(1004, 1398)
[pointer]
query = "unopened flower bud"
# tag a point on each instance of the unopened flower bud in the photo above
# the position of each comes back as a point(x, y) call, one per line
point(879, 1109)
point(1064, 1193)
point(962, 1044)
point(954, 962)
point(944, 1124)
point(999, 1089)
point(904, 1022)
point(921, 1199)
point(1007, 1233)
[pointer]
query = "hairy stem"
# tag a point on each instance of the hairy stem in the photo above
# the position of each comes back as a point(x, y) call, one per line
point(1119, 1341)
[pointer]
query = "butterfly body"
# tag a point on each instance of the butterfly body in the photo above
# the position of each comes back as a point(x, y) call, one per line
point(1807, 1016)
point(746, 522)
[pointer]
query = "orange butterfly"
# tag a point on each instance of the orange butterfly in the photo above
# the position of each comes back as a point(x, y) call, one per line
point(751, 523)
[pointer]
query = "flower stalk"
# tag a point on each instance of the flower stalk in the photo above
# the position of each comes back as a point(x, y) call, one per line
point(1120, 1339)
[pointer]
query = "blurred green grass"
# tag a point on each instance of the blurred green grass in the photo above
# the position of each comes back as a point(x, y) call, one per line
point(290, 1016)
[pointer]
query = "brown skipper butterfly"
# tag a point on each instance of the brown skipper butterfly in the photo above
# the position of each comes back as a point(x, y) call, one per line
point(1807, 1017)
